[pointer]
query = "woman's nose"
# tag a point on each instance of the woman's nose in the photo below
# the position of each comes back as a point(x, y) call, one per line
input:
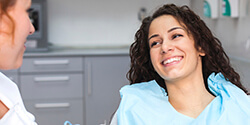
point(32, 29)
point(166, 47)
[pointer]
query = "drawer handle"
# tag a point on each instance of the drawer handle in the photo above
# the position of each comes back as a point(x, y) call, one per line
point(89, 78)
point(51, 62)
point(52, 105)
point(47, 79)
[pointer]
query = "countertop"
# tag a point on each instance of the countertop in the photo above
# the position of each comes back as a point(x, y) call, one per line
point(80, 52)
point(233, 51)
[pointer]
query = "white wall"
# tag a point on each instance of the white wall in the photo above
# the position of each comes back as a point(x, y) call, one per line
point(97, 23)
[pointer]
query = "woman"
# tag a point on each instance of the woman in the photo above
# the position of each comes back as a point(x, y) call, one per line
point(15, 26)
point(180, 75)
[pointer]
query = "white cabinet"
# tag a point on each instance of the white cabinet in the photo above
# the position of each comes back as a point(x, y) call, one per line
point(83, 89)
point(52, 89)
point(104, 77)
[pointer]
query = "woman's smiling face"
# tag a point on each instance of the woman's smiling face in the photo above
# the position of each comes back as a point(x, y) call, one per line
point(172, 50)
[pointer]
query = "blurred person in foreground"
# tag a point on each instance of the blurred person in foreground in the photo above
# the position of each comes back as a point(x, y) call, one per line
point(15, 26)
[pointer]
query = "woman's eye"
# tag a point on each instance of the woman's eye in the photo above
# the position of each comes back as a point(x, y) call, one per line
point(176, 36)
point(29, 10)
point(154, 43)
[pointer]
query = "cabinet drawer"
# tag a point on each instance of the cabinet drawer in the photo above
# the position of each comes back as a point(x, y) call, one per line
point(52, 64)
point(51, 86)
point(56, 112)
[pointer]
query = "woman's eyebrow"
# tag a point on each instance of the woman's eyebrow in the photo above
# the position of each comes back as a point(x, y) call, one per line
point(155, 35)
point(175, 28)
point(172, 29)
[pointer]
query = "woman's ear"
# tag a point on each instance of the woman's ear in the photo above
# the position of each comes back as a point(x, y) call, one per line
point(201, 52)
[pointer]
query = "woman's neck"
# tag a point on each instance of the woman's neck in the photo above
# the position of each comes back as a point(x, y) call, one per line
point(189, 97)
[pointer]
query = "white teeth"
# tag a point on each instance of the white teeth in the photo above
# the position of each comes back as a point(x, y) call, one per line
point(172, 60)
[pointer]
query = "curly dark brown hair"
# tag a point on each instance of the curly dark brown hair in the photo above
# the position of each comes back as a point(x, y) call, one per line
point(215, 60)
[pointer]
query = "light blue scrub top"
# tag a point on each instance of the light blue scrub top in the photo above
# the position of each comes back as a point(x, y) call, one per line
point(147, 104)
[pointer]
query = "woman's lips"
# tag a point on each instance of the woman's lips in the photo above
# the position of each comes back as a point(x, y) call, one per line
point(172, 60)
